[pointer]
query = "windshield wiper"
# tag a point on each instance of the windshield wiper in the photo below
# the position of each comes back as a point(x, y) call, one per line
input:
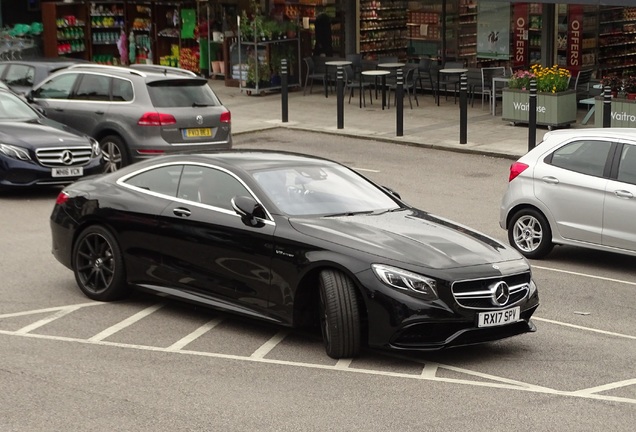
point(349, 213)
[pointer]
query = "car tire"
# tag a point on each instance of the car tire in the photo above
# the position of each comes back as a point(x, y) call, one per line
point(529, 232)
point(339, 315)
point(98, 265)
point(115, 153)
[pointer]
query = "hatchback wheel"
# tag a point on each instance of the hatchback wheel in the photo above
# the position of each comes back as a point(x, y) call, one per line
point(114, 153)
point(339, 315)
point(98, 265)
point(530, 233)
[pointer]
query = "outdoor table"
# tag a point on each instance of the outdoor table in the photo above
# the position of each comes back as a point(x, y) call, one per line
point(378, 73)
point(493, 95)
point(391, 65)
point(448, 71)
point(335, 63)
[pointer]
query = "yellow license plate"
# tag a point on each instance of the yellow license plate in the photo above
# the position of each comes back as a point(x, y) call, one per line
point(196, 133)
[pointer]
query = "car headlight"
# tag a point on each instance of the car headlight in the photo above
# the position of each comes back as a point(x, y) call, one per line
point(96, 150)
point(14, 152)
point(405, 280)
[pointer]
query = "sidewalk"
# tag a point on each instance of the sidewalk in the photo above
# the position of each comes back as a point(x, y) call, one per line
point(428, 125)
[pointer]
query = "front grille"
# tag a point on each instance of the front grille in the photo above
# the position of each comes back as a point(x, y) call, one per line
point(64, 156)
point(478, 293)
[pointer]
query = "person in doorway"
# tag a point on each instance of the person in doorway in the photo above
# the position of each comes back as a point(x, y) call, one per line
point(323, 35)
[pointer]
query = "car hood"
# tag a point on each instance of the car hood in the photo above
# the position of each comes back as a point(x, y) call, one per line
point(40, 133)
point(410, 236)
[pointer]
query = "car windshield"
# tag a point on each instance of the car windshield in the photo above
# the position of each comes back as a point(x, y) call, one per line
point(181, 93)
point(327, 190)
point(13, 108)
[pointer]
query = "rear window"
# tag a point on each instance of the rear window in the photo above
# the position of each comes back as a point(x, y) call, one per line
point(181, 93)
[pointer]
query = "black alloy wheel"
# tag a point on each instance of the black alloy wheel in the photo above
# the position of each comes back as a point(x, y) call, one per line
point(98, 265)
point(114, 152)
point(529, 232)
point(339, 315)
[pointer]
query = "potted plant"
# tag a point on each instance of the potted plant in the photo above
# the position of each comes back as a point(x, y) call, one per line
point(556, 103)
point(630, 87)
point(614, 82)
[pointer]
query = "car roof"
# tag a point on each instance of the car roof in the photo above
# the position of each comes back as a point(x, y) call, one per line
point(617, 133)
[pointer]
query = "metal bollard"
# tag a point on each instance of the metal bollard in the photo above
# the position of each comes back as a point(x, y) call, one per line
point(607, 107)
point(463, 108)
point(532, 116)
point(340, 97)
point(399, 103)
point(284, 91)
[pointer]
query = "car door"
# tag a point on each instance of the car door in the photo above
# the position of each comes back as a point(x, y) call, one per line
point(52, 95)
point(619, 227)
point(89, 102)
point(208, 248)
point(571, 184)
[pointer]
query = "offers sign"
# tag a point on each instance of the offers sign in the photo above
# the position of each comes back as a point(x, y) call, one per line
point(575, 37)
point(520, 35)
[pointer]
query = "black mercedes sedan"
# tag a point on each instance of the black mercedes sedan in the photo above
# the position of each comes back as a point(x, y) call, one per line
point(295, 240)
point(37, 151)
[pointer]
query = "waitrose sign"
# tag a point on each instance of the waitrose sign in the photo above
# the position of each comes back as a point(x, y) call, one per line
point(622, 113)
point(520, 106)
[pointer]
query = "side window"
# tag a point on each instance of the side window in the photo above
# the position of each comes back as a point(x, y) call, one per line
point(627, 167)
point(58, 87)
point(122, 90)
point(585, 157)
point(163, 180)
point(93, 88)
point(20, 75)
point(210, 186)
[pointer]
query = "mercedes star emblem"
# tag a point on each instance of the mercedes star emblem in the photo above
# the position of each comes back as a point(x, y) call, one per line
point(500, 293)
point(67, 157)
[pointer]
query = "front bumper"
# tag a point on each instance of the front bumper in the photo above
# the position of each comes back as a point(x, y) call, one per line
point(400, 321)
point(18, 173)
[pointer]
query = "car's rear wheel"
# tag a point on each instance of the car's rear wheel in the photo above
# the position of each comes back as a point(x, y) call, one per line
point(339, 315)
point(98, 265)
point(530, 233)
point(115, 153)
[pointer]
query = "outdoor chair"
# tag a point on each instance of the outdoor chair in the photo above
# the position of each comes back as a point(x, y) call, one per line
point(447, 81)
point(425, 74)
point(485, 87)
point(312, 74)
point(353, 82)
point(409, 86)
point(581, 84)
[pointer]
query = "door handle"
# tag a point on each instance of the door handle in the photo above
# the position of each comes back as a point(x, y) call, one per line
point(550, 180)
point(99, 112)
point(58, 109)
point(181, 212)
point(623, 194)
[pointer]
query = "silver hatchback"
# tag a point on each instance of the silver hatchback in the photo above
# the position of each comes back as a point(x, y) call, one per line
point(578, 187)
point(137, 112)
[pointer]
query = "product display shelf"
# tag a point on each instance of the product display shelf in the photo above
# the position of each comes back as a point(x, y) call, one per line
point(167, 24)
point(467, 33)
point(383, 28)
point(65, 29)
point(535, 27)
point(140, 27)
point(617, 41)
point(258, 64)
point(107, 21)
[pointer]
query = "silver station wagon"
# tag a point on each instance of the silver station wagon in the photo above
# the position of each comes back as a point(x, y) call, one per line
point(137, 112)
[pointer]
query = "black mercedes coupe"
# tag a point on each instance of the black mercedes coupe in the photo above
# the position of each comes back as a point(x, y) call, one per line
point(295, 240)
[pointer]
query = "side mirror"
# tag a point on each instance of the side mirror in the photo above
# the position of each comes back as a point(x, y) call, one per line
point(249, 210)
point(29, 96)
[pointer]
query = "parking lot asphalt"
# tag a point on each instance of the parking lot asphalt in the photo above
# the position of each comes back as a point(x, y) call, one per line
point(426, 124)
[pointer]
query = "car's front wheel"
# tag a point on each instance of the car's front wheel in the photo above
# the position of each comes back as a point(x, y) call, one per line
point(339, 315)
point(115, 153)
point(98, 265)
point(530, 233)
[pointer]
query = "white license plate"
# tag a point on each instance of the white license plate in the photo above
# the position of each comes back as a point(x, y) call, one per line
point(497, 318)
point(67, 172)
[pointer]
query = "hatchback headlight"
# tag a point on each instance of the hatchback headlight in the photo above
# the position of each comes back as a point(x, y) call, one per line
point(405, 280)
point(96, 150)
point(14, 152)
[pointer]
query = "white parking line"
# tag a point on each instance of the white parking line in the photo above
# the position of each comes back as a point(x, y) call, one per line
point(430, 370)
point(578, 327)
point(60, 313)
point(585, 275)
point(195, 334)
point(50, 309)
point(125, 323)
point(343, 363)
point(270, 344)
point(503, 386)
point(606, 387)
